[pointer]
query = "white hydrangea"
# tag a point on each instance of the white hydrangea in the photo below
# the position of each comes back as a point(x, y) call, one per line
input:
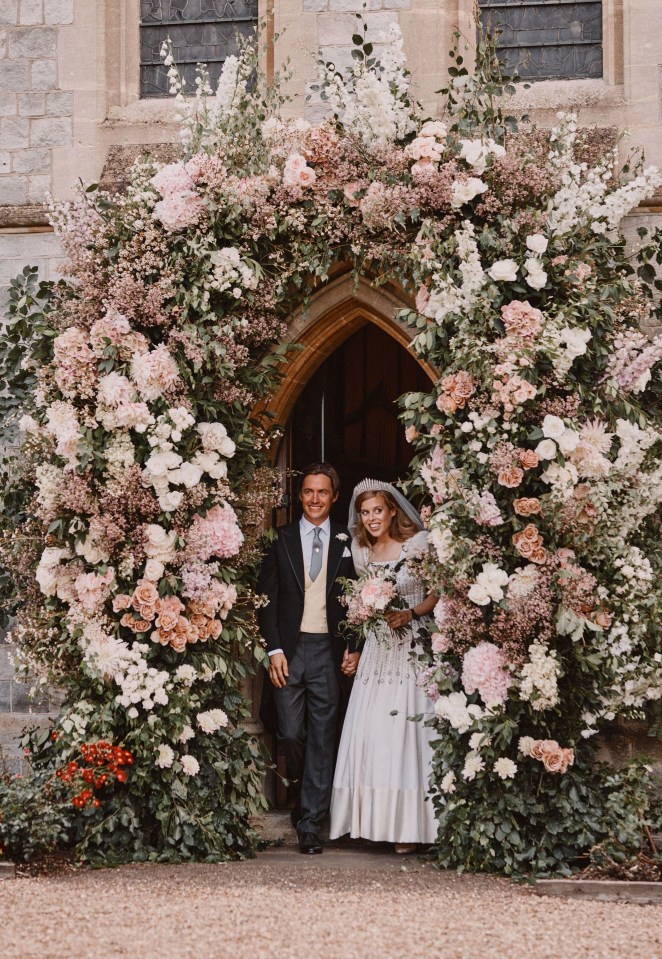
point(186, 674)
point(539, 678)
point(489, 585)
point(230, 271)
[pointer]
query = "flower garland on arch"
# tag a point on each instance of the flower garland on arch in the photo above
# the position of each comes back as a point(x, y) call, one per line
point(133, 561)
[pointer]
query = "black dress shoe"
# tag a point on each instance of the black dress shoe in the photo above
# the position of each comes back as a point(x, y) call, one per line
point(310, 844)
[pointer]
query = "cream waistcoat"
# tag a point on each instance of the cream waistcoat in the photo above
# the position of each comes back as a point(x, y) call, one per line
point(314, 603)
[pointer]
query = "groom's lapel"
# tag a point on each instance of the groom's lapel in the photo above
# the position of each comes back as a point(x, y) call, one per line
point(336, 549)
point(291, 538)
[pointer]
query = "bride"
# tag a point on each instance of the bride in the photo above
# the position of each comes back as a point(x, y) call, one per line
point(385, 759)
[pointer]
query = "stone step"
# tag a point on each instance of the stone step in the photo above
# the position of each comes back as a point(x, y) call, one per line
point(7, 870)
point(607, 890)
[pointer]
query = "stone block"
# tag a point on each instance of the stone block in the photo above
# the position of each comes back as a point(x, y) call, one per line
point(31, 104)
point(396, 4)
point(5, 696)
point(13, 190)
point(336, 29)
point(59, 11)
point(315, 6)
point(354, 6)
point(51, 132)
point(6, 667)
point(44, 75)
point(60, 104)
point(13, 76)
point(31, 12)
point(38, 187)
point(14, 134)
point(8, 105)
point(3, 44)
point(32, 161)
point(32, 44)
point(9, 12)
point(5, 164)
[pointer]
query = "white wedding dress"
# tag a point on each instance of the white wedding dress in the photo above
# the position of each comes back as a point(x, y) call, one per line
point(385, 761)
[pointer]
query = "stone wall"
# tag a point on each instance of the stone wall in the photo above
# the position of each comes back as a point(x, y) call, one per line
point(36, 114)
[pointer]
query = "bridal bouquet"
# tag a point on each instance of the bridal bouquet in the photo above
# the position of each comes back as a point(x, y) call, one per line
point(368, 599)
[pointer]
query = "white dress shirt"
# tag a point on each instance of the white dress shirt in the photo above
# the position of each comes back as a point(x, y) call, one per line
point(307, 533)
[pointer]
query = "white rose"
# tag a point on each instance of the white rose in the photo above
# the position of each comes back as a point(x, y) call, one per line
point(159, 464)
point(536, 279)
point(546, 449)
point(537, 243)
point(171, 501)
point(474, 152)
point(479, 595)
point(154, 570)
point(576, 340)
point(160, 543)
point(227, 447)
point(189, 474)
point(464, 192)
point(553, 427)
point(92, 551)
point(568, 442)
point(503, 271)
point(47, 578)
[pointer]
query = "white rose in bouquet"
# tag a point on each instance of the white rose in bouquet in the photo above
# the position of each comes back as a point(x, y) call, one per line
point(553, 427)
point(463, 191)
point(537, 243)
point(546, 449)
point(160, 543)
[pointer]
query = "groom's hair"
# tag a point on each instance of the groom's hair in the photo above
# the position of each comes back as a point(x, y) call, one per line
point(315, 469)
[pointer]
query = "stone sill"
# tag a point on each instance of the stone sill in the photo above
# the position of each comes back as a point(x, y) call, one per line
point(566, 95)
point(606, 890)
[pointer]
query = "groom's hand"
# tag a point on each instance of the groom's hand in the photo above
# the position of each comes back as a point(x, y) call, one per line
point(278, 671)
point(350, 663)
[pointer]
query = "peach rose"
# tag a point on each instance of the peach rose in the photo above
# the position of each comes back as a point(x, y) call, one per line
point(158, 637)
point(526, 506)
point(537, 749)
point(215, 628)
point(529, 459)
point(446, 404)
point(136, 625)
point(178, 643)
point(539, 556)
point(120, 602)
point(166, 621)
point(511, 478)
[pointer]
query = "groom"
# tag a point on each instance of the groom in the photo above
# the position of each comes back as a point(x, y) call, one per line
point(306, 653)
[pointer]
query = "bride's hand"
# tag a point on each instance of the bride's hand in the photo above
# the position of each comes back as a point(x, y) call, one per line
point(397, 618)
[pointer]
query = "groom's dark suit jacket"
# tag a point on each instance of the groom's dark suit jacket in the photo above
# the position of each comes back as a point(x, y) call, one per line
point(282, 579)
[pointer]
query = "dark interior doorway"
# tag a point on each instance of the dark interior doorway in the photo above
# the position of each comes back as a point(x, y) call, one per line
point(348, 414)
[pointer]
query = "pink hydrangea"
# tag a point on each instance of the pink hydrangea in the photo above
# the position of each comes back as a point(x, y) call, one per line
point(216, 534)
point(177, 211)
point(93, 589)
point(154, 372)
point(489, 513)
point(115, 389)
point(483, 671)
point(522, 321)
point(109, 330)
point(173, 178)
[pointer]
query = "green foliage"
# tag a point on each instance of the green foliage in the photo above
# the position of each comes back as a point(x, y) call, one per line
point(36, 816)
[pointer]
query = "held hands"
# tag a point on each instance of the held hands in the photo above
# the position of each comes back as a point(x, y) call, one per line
point(278, 670)
point(350, 663)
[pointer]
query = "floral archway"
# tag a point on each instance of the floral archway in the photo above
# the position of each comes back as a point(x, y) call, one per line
point(136, 504)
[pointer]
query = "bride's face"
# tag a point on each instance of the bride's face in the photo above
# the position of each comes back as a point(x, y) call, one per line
point(376, 516)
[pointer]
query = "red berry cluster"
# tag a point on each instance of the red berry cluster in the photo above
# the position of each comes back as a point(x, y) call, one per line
point(104, 763)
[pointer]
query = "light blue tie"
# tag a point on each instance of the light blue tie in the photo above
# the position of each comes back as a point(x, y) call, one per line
point(316, 557)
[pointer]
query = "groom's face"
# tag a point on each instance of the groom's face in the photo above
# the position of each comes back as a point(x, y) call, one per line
point(317, 497)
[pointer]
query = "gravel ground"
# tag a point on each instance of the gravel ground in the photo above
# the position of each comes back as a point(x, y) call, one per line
point(346, 904)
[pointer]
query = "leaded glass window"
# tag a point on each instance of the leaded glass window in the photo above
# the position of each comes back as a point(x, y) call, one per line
point(547, 39)
point(202, 31)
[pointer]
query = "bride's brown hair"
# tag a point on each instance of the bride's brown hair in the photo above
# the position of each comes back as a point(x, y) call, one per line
point(401, 528)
